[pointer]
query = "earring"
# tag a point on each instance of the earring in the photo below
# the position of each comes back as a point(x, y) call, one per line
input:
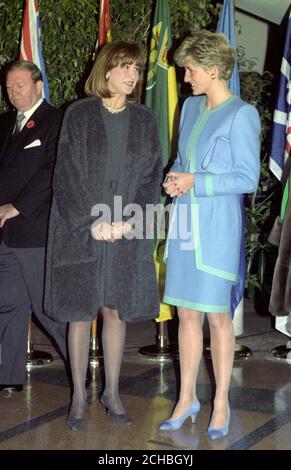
point(212, 76)
point(107, 76)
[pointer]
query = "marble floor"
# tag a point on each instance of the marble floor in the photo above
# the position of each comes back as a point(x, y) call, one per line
point(260, 397)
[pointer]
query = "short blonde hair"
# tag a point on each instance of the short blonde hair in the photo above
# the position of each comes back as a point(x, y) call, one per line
point(207, 50)
point(112, 55)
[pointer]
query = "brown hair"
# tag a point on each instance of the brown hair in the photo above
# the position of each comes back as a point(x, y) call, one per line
point(207, 50)
point(110, 56)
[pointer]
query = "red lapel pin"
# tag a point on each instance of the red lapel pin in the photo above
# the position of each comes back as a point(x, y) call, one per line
point(30, 124)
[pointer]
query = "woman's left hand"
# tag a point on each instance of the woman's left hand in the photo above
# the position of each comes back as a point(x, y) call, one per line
point(102, 231)
point(120, 229)
point(110, 232)
point(178, 184)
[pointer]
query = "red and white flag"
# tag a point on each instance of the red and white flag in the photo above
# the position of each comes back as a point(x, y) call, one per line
point(30, 48)
point(104, 34)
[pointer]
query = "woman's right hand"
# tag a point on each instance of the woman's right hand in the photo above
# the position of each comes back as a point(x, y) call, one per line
point(177, 184)
point(110, 232)
point(103, 231)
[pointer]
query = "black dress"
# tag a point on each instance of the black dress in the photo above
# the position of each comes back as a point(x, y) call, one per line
point(116, 126)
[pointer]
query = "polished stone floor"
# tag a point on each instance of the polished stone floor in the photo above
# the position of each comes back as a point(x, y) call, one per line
point(260, 398)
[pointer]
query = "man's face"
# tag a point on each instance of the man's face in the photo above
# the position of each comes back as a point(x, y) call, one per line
point(22, 91)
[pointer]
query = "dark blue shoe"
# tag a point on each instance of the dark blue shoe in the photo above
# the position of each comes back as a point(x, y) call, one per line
point(122, 418)
point(76, 423)
point(218, 433)
point(173, 424)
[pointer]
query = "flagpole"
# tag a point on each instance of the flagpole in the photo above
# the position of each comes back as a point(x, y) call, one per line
point(161, 96)
point(226, 26)
point(30, 49)
point(160, 351)
point(95, 351)
point(104, 36)
point(35, 358)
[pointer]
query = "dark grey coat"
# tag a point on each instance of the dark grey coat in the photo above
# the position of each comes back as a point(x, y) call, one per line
point(73, 256)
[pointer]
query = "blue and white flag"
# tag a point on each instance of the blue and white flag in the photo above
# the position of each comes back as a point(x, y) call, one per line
point(30, 48)
point(226, 26)
point(281, 135)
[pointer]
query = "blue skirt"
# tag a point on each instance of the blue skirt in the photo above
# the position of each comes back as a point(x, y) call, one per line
point(185, 285)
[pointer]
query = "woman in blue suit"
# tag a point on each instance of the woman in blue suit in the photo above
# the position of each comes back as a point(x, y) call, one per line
point(217, 162)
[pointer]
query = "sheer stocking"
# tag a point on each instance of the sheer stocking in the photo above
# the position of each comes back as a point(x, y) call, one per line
point(79, 337)
point(190, 351)
point(222, 343)
point(113, 338)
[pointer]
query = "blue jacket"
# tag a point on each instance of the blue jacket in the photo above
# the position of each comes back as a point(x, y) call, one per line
point(223, 151)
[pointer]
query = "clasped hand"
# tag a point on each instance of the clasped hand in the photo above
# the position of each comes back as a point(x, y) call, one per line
point(177, 184)
point(110, 232)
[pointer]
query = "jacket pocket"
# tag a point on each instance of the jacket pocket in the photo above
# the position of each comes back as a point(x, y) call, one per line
point(218, 159)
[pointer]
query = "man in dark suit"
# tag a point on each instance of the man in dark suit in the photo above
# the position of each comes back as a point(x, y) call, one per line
point(28, 138)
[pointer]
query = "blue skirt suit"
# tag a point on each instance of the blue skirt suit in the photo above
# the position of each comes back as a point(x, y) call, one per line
point(221, 147)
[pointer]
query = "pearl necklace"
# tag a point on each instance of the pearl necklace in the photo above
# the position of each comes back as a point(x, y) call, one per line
point(113, 110)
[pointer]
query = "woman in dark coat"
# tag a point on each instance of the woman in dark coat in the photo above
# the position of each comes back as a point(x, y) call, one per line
point(99, 257)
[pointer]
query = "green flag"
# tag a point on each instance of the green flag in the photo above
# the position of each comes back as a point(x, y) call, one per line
point(161, 96)
point(161, 88)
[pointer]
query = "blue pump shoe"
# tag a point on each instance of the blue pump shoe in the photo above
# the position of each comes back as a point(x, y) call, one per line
point(173, 424)
point(218, 433)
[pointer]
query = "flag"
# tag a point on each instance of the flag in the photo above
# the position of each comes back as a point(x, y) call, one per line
point(161, 88)
point(226, 26)
point(281, 132)
point(282, 323)
point(30, 47)
point(162, 97)
point(104, 34)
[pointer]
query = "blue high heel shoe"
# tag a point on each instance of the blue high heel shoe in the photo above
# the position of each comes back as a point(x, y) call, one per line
point(218, 433)
point(173, 424)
